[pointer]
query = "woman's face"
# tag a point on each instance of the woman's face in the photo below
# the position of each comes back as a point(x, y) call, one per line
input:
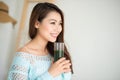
point(50, 27)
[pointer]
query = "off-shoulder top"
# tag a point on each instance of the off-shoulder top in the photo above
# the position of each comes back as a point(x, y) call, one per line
point(27, 66)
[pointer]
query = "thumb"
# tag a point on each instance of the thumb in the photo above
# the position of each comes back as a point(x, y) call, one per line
point(52, 60)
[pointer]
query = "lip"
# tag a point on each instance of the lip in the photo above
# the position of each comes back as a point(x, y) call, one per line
point(54, 35)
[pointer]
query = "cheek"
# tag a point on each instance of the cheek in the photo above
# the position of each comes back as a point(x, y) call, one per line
point(45, 30)
point(60, 30)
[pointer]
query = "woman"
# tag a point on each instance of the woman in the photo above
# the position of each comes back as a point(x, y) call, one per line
point(34, 61)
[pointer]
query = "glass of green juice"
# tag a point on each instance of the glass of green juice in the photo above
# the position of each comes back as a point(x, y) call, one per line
point(58, 50)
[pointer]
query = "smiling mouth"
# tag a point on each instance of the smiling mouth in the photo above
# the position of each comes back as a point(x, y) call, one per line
point(54, 35)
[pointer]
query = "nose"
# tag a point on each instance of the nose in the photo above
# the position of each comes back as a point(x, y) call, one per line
point(57, 28)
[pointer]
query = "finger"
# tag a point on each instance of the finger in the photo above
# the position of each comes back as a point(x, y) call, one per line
point(52, 60)
point(67, 65)
point(60, 60)
point(65, 62)
point(67, 70)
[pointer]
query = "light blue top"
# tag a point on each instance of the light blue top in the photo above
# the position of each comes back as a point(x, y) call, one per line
point(27, 66)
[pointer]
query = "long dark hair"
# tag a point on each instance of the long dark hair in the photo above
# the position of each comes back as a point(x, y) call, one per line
point(39, 12)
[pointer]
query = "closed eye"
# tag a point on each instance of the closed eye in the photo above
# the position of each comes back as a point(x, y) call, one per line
point(61, 23)
point(52, 23)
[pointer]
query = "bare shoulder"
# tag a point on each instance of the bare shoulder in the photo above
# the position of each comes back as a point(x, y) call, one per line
point(23, 49)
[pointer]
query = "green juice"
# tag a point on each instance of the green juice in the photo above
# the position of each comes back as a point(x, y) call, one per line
point(58, 54)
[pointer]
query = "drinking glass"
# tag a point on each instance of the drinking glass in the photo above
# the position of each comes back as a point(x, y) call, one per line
point(58, 50)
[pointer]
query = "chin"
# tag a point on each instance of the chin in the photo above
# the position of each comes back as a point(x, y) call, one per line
point(52, 40)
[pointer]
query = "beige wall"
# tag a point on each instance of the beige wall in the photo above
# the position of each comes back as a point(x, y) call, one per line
point(8, 35)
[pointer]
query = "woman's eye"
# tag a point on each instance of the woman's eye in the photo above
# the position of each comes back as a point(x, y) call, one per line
point(52, 23)
point(60, 23)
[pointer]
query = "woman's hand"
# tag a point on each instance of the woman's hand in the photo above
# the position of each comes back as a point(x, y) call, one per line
point(60, 66)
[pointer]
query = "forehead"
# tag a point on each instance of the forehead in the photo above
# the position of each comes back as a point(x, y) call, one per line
point(53, 15)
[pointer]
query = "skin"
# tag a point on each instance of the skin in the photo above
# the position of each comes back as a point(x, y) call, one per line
point(48, 30)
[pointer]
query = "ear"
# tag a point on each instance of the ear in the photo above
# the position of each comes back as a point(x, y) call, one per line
point(37, 24)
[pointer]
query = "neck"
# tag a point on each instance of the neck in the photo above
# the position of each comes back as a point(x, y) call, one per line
point(39, 43)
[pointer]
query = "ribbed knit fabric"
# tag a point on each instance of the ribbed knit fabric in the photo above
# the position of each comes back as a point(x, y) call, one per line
point(27, 66)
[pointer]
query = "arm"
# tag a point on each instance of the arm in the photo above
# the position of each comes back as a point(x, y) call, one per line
point(45, 76)
point(67, 76)
point(20, 70)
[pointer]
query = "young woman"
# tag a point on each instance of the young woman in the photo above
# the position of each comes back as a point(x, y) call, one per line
point(34, 61)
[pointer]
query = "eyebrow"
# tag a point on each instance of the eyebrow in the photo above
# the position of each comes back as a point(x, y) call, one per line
point(55, 20)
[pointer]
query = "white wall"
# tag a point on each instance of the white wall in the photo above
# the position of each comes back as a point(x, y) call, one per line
point(8, 35)
point(93, 37)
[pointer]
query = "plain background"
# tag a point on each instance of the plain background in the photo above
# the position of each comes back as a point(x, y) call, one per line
point(92, 35)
